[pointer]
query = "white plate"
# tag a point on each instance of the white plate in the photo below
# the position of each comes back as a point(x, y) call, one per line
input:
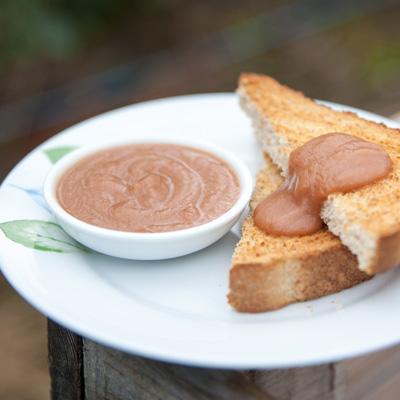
point(176, 310)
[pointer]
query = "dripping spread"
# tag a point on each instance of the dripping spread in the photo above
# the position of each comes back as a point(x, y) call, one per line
point(331, 163)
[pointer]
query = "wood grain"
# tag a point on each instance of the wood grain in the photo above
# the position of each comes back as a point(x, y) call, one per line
point(321, 382)
point(65, 363)
point(113, 375)
point(372, 376)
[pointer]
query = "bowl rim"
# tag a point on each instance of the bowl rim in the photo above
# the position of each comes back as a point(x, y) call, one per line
point(60, 167)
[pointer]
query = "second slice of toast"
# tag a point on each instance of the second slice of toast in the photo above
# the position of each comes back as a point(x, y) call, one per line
point(367, 220)
point(270, 272)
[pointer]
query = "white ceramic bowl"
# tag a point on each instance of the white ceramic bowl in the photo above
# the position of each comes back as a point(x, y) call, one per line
point(148, 246)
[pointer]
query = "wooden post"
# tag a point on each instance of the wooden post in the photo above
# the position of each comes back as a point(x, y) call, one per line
point(81, 369)
point(110, 374)
point(65, 363)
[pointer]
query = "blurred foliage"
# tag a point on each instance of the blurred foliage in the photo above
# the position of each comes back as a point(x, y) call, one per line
point(381, 63)
point(375, 48)
point(57, 29)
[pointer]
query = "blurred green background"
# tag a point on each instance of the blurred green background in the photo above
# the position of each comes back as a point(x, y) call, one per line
point(62, 61)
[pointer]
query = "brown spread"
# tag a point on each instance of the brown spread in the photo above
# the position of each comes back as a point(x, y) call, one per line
point(148, 188)
point(331, 163)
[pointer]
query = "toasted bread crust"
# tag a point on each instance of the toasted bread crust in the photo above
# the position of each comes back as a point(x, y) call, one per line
point(257, 286)
point(270, 272)
point(388, 252)
point(368, 220)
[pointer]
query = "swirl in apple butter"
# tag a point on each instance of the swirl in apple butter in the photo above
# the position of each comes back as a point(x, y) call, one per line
point(148, 188)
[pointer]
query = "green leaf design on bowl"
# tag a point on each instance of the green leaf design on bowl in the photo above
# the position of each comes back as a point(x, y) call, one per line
point(41, 235)
point(56, 153)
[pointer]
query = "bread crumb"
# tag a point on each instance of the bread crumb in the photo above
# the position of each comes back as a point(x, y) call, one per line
point(338, 305)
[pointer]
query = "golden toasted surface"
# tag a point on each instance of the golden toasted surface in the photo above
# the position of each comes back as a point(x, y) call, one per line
point(266, 248)
point(373, 212)
point(270, 272)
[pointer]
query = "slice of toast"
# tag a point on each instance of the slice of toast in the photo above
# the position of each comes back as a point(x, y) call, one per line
point(367, 220)
point(270, 272)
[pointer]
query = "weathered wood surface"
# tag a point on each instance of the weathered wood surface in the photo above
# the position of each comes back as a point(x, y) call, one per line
point(320, 383)
point(84, 370)
point(373, 377)
point(112, 375)
point(65, 363)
